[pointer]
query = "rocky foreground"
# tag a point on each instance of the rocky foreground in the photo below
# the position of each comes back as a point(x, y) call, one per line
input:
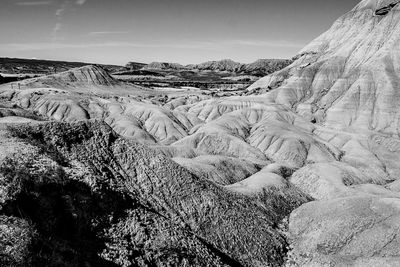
point(301, 170)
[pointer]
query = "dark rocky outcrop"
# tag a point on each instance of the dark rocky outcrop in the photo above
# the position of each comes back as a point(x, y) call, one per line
point(88, 192)
point(16, 238)
point(386, 9)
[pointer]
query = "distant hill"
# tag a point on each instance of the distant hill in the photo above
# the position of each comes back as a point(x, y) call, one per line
point(222, 65)
point(163, 66)
point(134, 66)
point(35, 66)
point(258, 68)
point(87, 76)
point(263, 67)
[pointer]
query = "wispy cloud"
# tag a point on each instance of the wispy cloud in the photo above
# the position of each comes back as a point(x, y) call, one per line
point(59, 17)
point(59, 14)
point(34, 3)
point(196, 45)
point(108, 33)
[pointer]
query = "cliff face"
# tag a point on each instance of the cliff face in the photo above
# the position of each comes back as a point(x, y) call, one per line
point(349, 76)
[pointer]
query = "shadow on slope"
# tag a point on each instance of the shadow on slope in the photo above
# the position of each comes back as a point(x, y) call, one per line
point(178, 218)
point(65, 214)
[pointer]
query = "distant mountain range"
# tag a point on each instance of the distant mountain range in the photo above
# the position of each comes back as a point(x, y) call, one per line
point(260, 67)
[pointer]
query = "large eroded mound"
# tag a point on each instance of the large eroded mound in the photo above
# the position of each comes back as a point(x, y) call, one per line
point(349, 76)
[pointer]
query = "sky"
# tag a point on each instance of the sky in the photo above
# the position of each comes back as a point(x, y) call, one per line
point(183, 31)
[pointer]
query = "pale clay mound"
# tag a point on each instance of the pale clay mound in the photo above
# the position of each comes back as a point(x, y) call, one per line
point(347, 77)
point(326, 127)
